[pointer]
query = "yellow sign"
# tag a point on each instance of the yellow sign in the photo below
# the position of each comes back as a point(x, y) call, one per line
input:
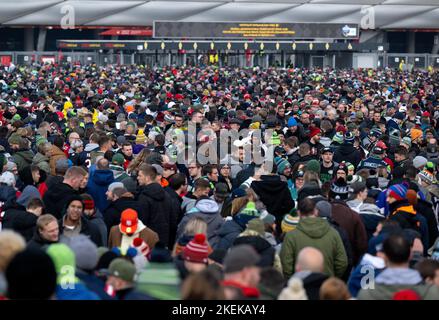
point(327, 46)
point(262, 46)
point(294, 46)
point(246, 46)
point(212, 46)
point(180, 46)
point(163, 46)
point(229, 46)
point(277, 45)
point(195, 46)
point(145, 45)
point(311, 46)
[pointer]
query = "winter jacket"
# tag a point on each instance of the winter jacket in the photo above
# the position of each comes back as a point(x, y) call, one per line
point(23, 158)
point(371, 162)
point(78, 291)
point(369, 213)
point(97, 187)
point(42, 162)
point(312, 281)
point(347, 153)
point(21, 222)
point(160, 213)
point(87, 228)
point(274, 194)
point(57, 154)
point(227, 234)
point(351, 222)
point(118, 173)
point(393, 280)
point(425, 209)
point(317, 233)
point(149, 236)
point(93, 283)
point(113, 212)
point(37, 242)
point(188, 203)
point(207, 210)
point(177, 201)
point(98, 220)
point(56, 198)
point(262, 247)
point(369, 266)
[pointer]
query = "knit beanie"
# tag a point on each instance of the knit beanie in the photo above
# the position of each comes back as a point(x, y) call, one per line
point(407, 141)
point(314, 166)
point(419, 162)
point(293, 291)
point(397, 191)
point(289, 223)
point(292, 122)
point(412, 197)
point(256, 226)
point(427, 176)
point(197, 250)
point(314, 131)
point(339, 190)
point(31, 275)
point(29, 193)
point(7, 178)
point(142, 247)
point(338, 137)
point(248, 213)
point(407, 294)
point(349, 137)
point(281, 164)
point(415, 133)
point(63, 257)
point(86, 252)
point(140, 137)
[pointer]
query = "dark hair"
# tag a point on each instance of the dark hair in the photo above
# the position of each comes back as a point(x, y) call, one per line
point(410, 172)
point(58, 141)
point(402, 151)
point(160, 139)
point(397, 248)
point(201, 183)
point(35, 203)
point(271, 284)
point(103, 140)
point(177, 180)
point(427, 268)
point(306, 207)
point(208, 168)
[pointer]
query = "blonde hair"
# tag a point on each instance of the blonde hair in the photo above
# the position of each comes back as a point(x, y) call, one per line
point(11, 243)
point(311, 176)
point(138, 161)
point(334, 289)
point(195, 225)
point(44, 220)
point(238, 204)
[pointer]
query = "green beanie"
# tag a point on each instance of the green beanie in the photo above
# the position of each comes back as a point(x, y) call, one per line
point(65, 263)
point(313, 165)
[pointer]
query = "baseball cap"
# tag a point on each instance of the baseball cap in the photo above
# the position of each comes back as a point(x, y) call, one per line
point(129, 221)
point(123, 269)
point(327, 149)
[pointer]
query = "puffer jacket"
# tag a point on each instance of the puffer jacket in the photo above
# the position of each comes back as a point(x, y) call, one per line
point(42, 162)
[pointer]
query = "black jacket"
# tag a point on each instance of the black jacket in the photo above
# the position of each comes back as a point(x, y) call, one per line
point(114, 211)
point(312, 283)
point(159, 211)
point(275, 195)
point(56, 198)
point(262, 247)
point(425, 209)
point(38, 242)
point(347, 153)
point(88, 229)
point(176, 202)
point(20, 221)
point(227, 234)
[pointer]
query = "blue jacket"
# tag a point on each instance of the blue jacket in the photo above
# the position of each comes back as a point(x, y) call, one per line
point(361, 271)
point(97, 187)
point(78, 292)
point(227, 234)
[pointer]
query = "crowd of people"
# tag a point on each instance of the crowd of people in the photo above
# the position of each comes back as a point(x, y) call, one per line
point(103, 195)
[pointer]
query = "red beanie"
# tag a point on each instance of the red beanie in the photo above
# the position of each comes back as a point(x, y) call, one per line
point(314, 131)
point(89, 204)
point(406, 295)
point(142, 247)
point(197, 250)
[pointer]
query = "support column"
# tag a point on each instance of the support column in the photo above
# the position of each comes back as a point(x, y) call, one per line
point(42, 33)
point(411, 42)
point(435, 49)
point(29, 44)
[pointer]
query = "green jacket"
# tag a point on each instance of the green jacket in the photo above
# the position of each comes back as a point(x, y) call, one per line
point(314, 232)
point(42, 162)
point(386, 292)
point(23, 159)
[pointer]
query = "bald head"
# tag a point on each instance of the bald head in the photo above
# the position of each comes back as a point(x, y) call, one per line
point(310, 259)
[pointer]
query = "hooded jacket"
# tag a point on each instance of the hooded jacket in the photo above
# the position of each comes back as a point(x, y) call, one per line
point(20, 221)
point(97, 187)
point(348, 153)
point(392, 280)
point(57, 154)
point(274, 194)
point(23, 158)
point(38, 242)
point(369, 213)
point(160, 213)
point(57, 196)
point(118, 173)
point(42, 162)
point(262, 247)
point(227, 234)
point(207, 210)
point(312, 281)
point(314, 232)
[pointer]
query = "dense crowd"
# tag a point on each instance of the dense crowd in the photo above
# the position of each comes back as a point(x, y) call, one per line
point(106, 194)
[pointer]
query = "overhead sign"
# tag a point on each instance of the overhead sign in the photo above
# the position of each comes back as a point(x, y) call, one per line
point(171, 29)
